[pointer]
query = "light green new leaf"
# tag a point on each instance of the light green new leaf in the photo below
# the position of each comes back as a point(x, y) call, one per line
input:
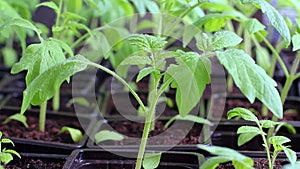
point(249, 129)
point(64, 46)
point(5, 157)
point(10, 56)
point(18, 117)
point(278, 140)
point(21, 23)
point(253, 26)
point(245, 137)
point(143, 6)
point(213, 162)
point(296, 42)
point(106, 135)
point(243, 113)
point(251, 79)
point(291, 155)
point(148, 43)
point(12, 152)
point(151, 161)
point(78, 100)
point(144, 72)
point(268, 123)
point(188, 33)
point(263, 58)
point(190, 78)
point(7, 141)
point(192, 118)
point(225, 39)
point(274, 17)
point(76, 134)
point(49, 4)
point(43, 87)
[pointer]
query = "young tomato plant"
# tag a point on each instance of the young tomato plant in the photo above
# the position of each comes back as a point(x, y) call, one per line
point(249, 132)
point(6, 155)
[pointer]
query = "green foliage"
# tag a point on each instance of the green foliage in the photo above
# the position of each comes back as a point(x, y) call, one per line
point(78, 100)
point(223, 155)
point(274, 17)
point(246, 133)
point(76, 134)
point(151, 160)
point(296, 42)
point(192, 118)
point(251, 79)
point(18, 117)
point(6, 155)
point(105, 135)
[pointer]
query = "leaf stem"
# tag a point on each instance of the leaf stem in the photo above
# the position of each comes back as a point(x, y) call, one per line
point(56, 100)
point(42, 117)
point(270, 46)
point(135, 95)
point(266, 145)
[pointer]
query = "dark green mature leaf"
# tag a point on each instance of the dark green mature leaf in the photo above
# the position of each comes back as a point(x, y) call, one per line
point(190, 78)
point(278, 140)
point(105, 135)
point(251, 79)
point(151, 161)
point(253, 26)
point(76, 134)
point(296, 42)
point(37, 58)
point(45, 84)
point(225, 39)
point(243, 113)
point(291, 155)
point(274, 17)
point(245, 137)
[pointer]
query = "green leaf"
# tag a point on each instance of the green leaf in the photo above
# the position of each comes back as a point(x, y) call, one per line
point(291, 155)
point(296, 42)
point(106, 135)
point(190, 78)
point(251, 79)
point(278, 140)
point(225, 154)
point(136, 60)
point(243, 113)
point(7, 141)
point(10, 56)
point(263, 58)
point(42, 88)
point(79, 100)
point(143, 6)
point(225, 39)
point(288, 126)
point(12, 152)
point(37, 58)
point(148, 43)
point(76, 134)
point(245, 137)
point(64, 46)
point(274, 17)
point(144, 72)
point(5, 157)
point(267, 123)
point(292, 166)
point(249, 129)
point(73, 5)
point(192, 118)
point(51, 5)
point(253, 26)
point(189, 33)
point(20, 22)
point(18, 117)
point(151, 161)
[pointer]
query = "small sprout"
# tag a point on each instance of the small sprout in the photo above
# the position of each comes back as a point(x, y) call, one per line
point(76, 134)
point(6, 155)
point(18, 117)
point(151, 160)
point(79, 100)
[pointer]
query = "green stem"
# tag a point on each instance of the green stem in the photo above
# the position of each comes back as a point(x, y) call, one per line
point(56, 100)
point(57, 21)
point(273, 50)
point(266, 146)
point(275, 153)
point(135, 95)
point(42, 118)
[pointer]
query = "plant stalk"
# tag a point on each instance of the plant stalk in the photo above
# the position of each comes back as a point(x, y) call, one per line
point(56, 100)
point(42, 118)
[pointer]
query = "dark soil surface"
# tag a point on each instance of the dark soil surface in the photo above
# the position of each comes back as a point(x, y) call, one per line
point(53, 126)
point(25, 163)
point(258, 164)
point(134, 129)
